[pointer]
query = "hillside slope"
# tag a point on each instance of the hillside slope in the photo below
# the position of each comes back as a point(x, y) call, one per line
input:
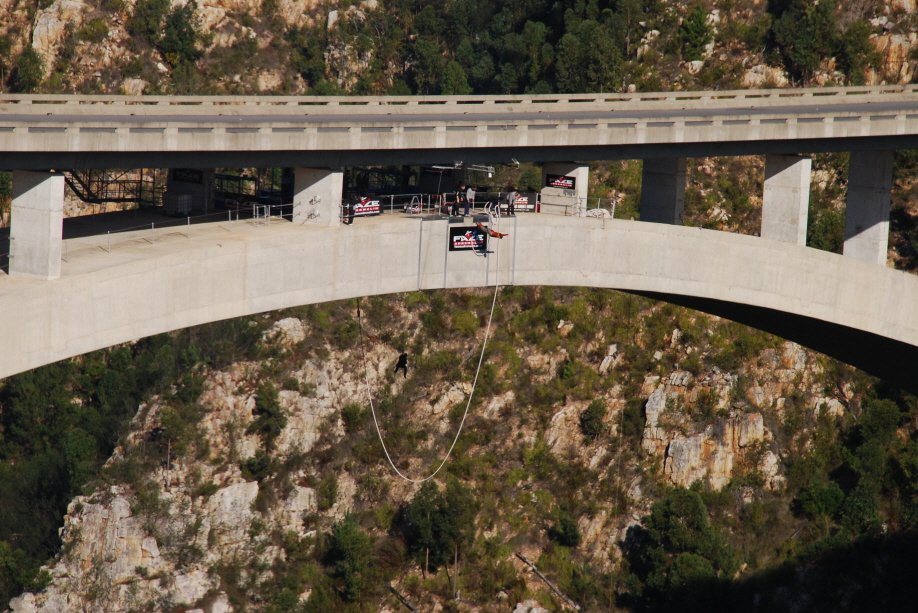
point(260, 484)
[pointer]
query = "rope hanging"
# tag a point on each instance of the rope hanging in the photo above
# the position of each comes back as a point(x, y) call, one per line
point(484, 345)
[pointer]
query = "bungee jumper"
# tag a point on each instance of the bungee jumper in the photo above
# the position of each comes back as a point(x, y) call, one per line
point(491, 233)
point(402, 364)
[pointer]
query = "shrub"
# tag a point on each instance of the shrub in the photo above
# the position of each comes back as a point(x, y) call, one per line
point(95, 31)
point(270, 420)
point(354, 418)
point(146, 22)
point(591, 419)
point(821, 499)
point(565, 532)
point(327, 492)
point(465, 322)
point(258, 468)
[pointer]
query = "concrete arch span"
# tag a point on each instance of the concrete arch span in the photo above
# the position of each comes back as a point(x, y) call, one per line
point(858, 312)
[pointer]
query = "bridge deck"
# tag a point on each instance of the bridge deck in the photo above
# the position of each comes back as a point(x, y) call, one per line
point(44, 132)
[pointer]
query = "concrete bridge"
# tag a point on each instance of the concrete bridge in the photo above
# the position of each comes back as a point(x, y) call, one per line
point(856, 311)
point(854, 308)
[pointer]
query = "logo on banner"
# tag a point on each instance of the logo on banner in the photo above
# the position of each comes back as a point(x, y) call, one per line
point(365, 206)
point(562, 181)
point(467, 238)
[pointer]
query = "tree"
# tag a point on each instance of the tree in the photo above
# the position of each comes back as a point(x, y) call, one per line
point(440, 524)
point(428, 65)
point(421, 515)
point(146, 22)
point(29, 71)
point(179, 44)
point(678, 548)
point(695, 34)
point(856, 53)
point(349, 555)
point(454, 81)
point(821, 499)
point(804, 34)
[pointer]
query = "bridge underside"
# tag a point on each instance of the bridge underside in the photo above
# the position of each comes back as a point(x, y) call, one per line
point(47, 160)
point(141, 285)
point(889, 359)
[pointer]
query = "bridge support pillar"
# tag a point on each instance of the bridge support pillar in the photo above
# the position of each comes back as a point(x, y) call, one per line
point(786, 199)
point(317, 194)
point(663, 190)
point(36, 224)
point(867, 213)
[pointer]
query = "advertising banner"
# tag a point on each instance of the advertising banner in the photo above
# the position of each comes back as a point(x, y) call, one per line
point(562, 181)
point(526, 202)
point(365, 206)
point(187, 175)
point(467, 238)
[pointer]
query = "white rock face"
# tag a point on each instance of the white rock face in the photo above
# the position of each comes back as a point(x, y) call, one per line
point(230, 510)
point(694, 67)
point(712, 454)
point(50, 24)
point(133, 87)
point(758, 76)
point(529, 606)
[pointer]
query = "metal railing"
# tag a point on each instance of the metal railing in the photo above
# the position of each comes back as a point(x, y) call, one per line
point(157, 230)
point(188, 103)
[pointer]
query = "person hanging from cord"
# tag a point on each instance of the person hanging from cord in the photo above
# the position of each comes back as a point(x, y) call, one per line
point(402, 364)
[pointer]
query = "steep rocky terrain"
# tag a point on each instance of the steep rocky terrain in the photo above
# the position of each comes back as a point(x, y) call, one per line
point(314, 46)
point(591, 406)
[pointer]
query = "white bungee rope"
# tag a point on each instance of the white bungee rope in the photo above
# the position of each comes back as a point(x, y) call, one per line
point(465, 414)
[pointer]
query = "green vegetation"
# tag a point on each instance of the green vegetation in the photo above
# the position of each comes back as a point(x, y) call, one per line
point(591, 419)
point(28, 73)
point(804, 33)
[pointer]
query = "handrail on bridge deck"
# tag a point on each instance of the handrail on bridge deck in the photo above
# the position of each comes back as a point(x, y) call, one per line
point(828, 95)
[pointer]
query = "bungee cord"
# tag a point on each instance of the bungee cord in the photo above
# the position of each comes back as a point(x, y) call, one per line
point(468, 404)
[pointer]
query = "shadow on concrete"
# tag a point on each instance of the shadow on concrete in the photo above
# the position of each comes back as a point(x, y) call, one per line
point(5, 250)
point(891, 360)
point(135, 220)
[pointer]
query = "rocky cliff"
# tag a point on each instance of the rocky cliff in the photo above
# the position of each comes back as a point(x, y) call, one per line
point(85, 45)
point(194, 521)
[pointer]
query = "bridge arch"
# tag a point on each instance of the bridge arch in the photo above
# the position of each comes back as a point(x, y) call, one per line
point(855, 311)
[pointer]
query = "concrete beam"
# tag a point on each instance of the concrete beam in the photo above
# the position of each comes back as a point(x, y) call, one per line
point(36, 224)
point(317, 194)
point(786, 198)
point(663, 190)
point(867, 213)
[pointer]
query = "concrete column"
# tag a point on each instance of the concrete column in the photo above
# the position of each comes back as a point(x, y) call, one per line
point(36, 224)
point(867, 213)
point(786, 199)
point(663, 190)
point(317, 194)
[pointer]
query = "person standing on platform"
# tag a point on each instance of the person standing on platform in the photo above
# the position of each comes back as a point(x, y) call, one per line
point(459, 197)
point(469, 200)
point(512, 197)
